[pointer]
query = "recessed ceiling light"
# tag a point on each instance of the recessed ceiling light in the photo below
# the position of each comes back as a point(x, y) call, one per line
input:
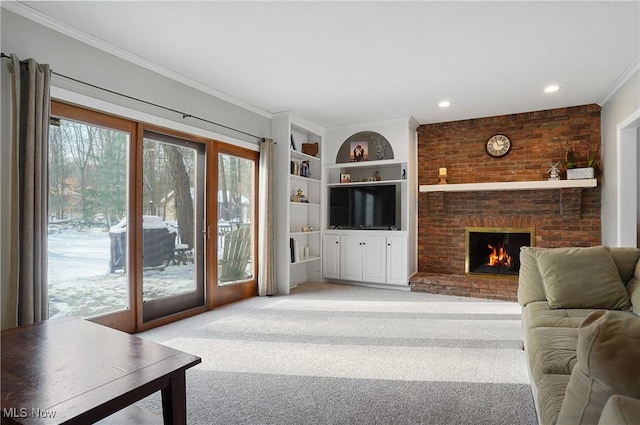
point(444, 104)
point(552, 88)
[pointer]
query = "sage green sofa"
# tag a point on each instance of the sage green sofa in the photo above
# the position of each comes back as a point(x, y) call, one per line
point(581, 333)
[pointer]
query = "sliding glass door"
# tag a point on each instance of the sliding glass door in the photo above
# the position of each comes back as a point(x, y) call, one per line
point(136, 214)
point(173, 176)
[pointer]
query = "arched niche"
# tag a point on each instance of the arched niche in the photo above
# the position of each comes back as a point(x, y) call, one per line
point(378, 146)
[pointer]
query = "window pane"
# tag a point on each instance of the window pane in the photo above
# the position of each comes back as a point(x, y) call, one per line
point(170, 224)
point(235, 219)
point(87, 198)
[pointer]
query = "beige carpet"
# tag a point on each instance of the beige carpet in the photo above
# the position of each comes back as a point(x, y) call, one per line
point(339, 354)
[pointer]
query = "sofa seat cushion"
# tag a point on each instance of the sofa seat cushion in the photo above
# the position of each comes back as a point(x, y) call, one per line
point(582, 278)
point(552, 351)
point(538, 315)
point(620, 410)
point(608, 357)
point(551, 389)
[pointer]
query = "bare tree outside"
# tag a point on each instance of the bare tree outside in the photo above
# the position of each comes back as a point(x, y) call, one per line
point(182, 190)
point(82, 159)
point(110, 150)
point(235, 184)
point(58, 173)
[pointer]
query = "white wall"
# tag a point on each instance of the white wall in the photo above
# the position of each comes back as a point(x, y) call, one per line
point(70, 57)
point(620, 164)
point(79, 60)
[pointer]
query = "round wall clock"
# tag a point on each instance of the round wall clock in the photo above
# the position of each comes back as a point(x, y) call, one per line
point(498, 146)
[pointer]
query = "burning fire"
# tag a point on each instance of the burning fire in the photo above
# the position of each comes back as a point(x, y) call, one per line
point(498, 256)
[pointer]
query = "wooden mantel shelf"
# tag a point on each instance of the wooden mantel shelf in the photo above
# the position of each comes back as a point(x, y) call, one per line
point(524, 185)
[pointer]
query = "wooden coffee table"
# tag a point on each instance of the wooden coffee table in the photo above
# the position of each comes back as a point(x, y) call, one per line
point(73, 371)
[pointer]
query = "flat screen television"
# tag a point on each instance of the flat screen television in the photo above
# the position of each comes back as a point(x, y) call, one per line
point(363, 207)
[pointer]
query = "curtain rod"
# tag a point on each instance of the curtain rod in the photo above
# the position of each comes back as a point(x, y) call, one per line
point(184, 115)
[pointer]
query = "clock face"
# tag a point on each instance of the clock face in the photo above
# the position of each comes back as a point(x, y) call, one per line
point(498, 146)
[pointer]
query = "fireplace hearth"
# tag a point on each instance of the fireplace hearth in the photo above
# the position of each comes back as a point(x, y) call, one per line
point(495, 250)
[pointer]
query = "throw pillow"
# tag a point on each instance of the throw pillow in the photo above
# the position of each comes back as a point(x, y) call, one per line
point(608, 357)
point(529, 280)
point(582, 278)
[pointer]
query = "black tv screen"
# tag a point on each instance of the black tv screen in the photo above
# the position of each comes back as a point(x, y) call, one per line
point(363, 207)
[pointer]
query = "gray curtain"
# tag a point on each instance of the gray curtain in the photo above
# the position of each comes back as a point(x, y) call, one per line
point(266, 222)
point(29, 190)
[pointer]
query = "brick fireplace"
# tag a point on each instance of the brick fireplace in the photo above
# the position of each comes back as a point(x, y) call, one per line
point(558, 217)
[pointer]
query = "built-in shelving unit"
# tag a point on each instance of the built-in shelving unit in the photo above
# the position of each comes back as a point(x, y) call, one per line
point(298, 224)
point(523, 185)
point(373, 257)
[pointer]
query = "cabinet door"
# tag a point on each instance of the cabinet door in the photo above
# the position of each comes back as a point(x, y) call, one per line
point(374, 259)
point(351, 249)
point(331, 257)
point(397, 261)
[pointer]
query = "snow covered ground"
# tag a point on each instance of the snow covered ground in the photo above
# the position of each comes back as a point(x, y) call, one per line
point(80, 283)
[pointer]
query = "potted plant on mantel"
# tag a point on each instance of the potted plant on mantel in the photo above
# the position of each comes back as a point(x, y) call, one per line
point(590, 171)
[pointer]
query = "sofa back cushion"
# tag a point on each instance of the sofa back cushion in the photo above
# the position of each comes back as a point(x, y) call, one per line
point(582, 278)
point(608, 357)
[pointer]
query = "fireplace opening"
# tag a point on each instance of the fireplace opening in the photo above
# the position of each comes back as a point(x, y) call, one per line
point(495, 250)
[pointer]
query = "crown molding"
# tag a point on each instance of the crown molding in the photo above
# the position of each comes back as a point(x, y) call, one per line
point(29, 13)
point(626, 75)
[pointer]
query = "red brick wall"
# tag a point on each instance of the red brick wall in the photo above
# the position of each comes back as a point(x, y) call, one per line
point(560, 217)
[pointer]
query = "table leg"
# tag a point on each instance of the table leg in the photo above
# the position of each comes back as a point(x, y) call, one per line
point(174, 400)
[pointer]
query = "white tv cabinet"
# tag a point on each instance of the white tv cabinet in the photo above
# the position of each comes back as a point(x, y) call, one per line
point(370, 257)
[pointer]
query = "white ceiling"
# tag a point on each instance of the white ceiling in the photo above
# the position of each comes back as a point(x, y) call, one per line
point(341, 63)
